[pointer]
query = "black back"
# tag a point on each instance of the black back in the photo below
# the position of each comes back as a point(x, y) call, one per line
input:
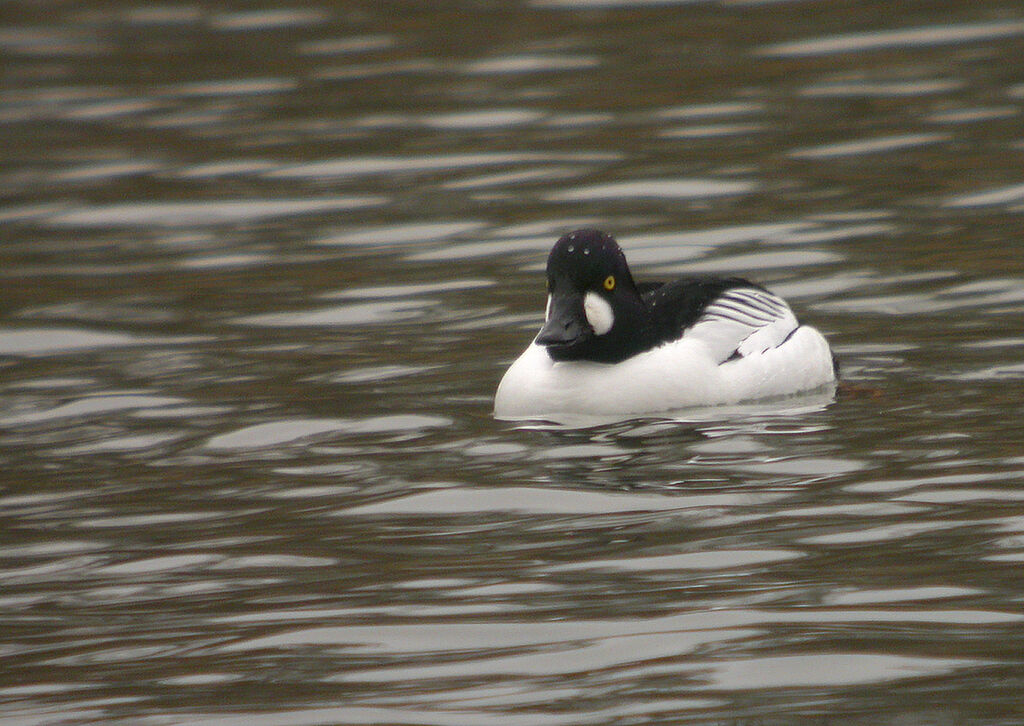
point(674, 306)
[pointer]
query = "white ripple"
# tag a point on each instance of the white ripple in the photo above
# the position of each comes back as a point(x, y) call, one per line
point(886, 89)
point(230, 87)
point(105, 171)
point(371, 165)
point(756, 261)
point(201, 214)
point(540, 501)
point(90, 406)
point(891, 39)
point(709, 110)
point(33, 341)
point(828, 669)
point(868, 146)
point(711, 560)
point(655, 189)
point(268, 19)
point(991, 197)
point(370, 313)
point(483, 119)
point(275, 433)
point(346, 45)
point(395, 234)
point(530, 63)
point(120, 444)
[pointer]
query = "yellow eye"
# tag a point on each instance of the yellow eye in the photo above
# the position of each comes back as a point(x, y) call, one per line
point(609, 283)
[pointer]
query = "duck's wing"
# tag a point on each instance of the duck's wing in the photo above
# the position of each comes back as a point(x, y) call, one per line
point(742, 321)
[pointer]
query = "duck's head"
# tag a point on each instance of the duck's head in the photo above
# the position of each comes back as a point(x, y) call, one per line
point(593, 304)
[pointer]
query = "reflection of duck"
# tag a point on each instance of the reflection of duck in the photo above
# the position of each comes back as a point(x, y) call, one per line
point(612, 346)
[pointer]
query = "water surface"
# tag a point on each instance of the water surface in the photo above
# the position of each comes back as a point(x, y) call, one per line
point(263, 269)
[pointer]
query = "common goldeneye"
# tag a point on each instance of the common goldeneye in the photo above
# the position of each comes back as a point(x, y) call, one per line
point(611, 346)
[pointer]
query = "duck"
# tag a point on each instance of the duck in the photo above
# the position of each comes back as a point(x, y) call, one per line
point(612, 346)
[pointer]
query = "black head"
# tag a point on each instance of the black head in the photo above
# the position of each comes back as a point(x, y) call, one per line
point(594, 310)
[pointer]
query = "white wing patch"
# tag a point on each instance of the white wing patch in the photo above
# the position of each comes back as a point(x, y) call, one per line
point(744, 321)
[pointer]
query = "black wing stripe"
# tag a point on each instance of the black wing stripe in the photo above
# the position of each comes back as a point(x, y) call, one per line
point(755, 294)
point(754, 314)
point(767, 303)
point(722, 316)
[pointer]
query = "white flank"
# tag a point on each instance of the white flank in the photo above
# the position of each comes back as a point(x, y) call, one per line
point(681, 374)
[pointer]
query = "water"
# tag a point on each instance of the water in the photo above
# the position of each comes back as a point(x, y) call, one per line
point(262, 270)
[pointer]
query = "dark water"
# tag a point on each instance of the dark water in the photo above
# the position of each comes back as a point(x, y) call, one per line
point(262, 269)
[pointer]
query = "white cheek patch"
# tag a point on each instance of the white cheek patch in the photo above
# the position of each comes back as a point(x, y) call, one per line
point(547, 310)
point(599, 313)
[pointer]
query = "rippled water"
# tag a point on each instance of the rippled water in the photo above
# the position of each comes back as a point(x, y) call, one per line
point(262, 270)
